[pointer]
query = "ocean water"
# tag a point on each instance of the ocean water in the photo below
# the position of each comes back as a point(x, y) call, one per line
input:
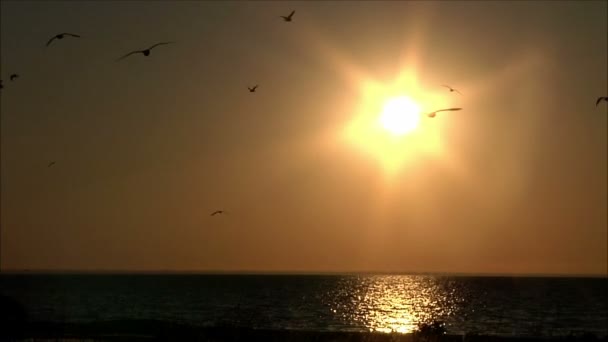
point(486, 305)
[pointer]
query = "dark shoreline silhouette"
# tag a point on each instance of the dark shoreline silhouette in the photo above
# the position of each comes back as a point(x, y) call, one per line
point(13, 319)
point(148, 330)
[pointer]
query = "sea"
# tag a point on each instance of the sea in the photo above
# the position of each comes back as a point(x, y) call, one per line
point(502, 306)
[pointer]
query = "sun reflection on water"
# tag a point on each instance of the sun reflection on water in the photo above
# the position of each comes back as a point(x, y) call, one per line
point(394, 303)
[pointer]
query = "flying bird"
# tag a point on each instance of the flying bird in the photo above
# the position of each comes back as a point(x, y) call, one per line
point(433, 114)
point(60, 36)
point(451, 89)
point(1, 86)
point(252, 90)
point(599, 99)
point(145, 52)
point(14, 77)
point(218, 212)
point(51, 164)
point(288, 18)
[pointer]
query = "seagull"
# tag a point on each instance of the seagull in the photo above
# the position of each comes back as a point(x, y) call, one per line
point(252, 90)
point(51, 164)
point(288, 18)
point(433, 114)
point(599, 99)
point(145, 52)
point(14, 77)
point(60, 36)
point(451, 89)
point(218, 212)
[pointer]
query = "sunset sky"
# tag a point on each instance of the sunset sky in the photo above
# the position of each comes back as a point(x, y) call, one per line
point(146, 148)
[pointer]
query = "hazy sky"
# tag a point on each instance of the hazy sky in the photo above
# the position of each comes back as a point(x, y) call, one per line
point(146, 148)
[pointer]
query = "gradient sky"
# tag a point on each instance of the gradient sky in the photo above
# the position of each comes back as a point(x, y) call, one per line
point(146, 148)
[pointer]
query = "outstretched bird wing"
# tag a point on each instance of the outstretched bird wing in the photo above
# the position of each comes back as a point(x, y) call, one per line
point(447, 86)
point(288, 18)
point(157, 44)
point(70, 34)
point(433, 114)
point(447, 110)
point(599, 99)
point(456, 90)
point(51, 40)
point(129, 54)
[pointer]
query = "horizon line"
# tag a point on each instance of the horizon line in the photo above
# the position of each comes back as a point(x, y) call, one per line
point(292, 272)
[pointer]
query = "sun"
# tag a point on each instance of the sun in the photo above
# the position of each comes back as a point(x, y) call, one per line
point(400, 115)
point(388, 123)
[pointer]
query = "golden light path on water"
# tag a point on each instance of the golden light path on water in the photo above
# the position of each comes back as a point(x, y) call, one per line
point(394, 303)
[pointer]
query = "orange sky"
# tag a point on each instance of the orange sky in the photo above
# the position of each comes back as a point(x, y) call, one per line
point(146, 148)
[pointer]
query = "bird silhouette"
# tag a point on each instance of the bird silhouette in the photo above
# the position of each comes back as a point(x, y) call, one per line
point(51, 164)
point(145, 52)
point(288, 18)
point(252, 90)
point(1, 86)
point(218, 212)
point(433, 114)
point(599, 99)
point(60, 36)
point(14, 77)
point(451, 89)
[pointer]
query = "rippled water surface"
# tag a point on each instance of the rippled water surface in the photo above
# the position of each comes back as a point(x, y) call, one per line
point(486, 305)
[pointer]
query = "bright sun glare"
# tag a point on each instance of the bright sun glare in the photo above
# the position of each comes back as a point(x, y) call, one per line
point(388, 124)
point(400, 115)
